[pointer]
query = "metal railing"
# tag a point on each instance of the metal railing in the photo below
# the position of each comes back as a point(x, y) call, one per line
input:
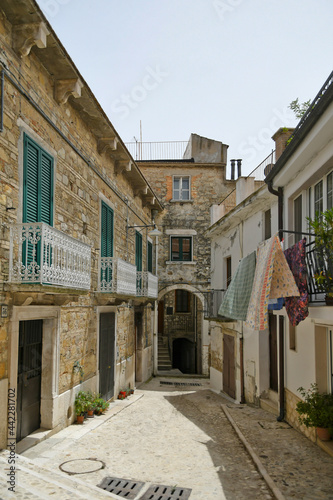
point(146, 284)
point(173, 150)
point(213, 300)
point(318, 265)
point(116, 276)
point(42, 254)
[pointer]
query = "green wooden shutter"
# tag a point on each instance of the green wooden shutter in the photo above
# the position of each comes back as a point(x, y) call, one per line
point(150, 256)
point(138, 251)
point(107, 231)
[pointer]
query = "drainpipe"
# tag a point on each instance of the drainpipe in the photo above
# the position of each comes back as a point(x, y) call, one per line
point(279, 193)
point(2, 98)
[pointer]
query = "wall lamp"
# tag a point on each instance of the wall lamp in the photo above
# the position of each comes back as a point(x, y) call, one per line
point(153, 233)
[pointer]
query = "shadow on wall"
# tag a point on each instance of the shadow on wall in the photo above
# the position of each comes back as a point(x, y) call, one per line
point(183, 355)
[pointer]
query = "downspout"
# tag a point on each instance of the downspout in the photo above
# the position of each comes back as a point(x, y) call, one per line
point(279, 194)
point(2, 99)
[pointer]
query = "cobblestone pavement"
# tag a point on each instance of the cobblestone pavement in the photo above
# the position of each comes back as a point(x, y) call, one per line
point(179, 435)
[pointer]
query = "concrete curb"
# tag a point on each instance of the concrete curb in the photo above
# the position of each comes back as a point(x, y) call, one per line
point(270, 483)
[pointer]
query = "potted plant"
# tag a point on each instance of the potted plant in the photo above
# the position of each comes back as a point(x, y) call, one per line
point(316, 410)
point(322, 227)
point(91, 404)
point(100, 405)
point(80, 405)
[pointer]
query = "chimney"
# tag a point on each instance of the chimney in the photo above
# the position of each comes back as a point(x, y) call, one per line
point(232, 169)
point(239, 168)
point(281, 138)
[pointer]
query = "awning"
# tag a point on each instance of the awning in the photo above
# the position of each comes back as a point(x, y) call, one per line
point(273, 279)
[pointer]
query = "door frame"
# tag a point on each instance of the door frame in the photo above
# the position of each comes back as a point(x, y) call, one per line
point(100, 310)
point(50, 356)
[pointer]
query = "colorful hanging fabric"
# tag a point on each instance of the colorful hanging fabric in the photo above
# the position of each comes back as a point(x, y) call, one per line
point(297, 307)
point(236, 299)
point(273, 280)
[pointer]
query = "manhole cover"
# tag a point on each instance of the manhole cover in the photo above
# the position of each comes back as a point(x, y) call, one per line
point(82, 466)
point(159, 492)
point(121, 487)
point(191, 384)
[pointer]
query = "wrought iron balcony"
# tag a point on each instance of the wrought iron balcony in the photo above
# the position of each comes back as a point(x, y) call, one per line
point(117, 276)
point(42, 254)
point(146, 284)
point(317, 265)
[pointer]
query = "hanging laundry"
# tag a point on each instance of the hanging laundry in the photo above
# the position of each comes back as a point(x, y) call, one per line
point(236, 299)
point(273, 280)
point(297, 307)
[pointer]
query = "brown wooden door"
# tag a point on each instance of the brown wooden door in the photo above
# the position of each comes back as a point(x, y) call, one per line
point(29, 377)
point(106, 354)
point(273, 361)
point(229, 377)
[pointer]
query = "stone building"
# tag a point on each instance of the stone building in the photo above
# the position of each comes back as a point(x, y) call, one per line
point(187, 188)
point(75, 253)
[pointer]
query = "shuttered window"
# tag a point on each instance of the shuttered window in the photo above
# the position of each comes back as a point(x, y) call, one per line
point(106, 231)
point(150, 256)
point(181, 248)
point(37, 183)
point(138, 251)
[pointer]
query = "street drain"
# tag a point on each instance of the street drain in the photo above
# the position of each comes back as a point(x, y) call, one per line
point(191, 384)
point(159, 492)
point(82, 466)
point(121, 487)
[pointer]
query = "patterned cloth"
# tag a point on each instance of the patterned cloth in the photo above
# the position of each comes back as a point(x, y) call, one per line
point(273, 279)
point(236, 299)
point(297, 307)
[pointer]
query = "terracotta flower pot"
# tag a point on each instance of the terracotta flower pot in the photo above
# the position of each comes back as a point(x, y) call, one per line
point(80, 419)
point(323, 434)
point(90, 413)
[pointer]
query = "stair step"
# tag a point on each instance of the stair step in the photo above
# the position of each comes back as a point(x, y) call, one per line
point(269, 405)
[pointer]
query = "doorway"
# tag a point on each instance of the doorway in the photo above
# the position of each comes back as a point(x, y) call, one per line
point(106, 354)
point(273, 359)
point(229, 377)
point(138, 346)
point(29, 377)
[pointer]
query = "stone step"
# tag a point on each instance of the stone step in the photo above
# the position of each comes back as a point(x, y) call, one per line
point(38, 482)
point(269, 405)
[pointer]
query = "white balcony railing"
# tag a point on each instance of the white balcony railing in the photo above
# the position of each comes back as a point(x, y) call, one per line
point(146, 284)
point(117, 276)
point(42, 254)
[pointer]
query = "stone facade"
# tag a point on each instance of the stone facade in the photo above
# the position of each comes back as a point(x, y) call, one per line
point(46, 100)
point(204, 164)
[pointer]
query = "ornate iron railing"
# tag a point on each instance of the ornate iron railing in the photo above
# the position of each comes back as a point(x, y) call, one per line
point(42, 254)
point(146, 284)
point(117, 276)
point(318, 265)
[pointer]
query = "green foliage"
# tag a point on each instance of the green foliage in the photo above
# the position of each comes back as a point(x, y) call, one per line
point(299, 108)
point(322, 227)
point(81, 403)
point(86, 401)
point(316, 410)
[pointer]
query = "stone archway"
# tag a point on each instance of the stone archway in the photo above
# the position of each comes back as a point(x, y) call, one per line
point(185, 323)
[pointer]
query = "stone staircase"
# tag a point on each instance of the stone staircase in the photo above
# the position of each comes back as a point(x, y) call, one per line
point(164, 361)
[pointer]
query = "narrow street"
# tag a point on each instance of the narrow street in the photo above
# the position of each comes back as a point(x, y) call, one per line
point(176, 434)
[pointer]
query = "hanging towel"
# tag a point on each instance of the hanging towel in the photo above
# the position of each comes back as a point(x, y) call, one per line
point(236, 299)
point(297, 307)
point(273, 280)
point(275, 304)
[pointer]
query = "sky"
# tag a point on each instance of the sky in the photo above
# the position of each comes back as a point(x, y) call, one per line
point(223, 69)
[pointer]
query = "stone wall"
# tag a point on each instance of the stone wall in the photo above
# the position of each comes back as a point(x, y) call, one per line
point(291, 416)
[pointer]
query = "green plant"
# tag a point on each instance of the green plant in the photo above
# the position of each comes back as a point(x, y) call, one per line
point(316, 409)
point(101, 405)
point(81, 403)
point(322, 228)
point(299, 108)
point(91, 401)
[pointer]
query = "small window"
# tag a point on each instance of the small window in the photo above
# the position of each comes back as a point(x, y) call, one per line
point(228, 271)
point(318, 197)
point(268, 230)
point(181, 188)
point(181, 248)
point(182, 299)
point(298, 218)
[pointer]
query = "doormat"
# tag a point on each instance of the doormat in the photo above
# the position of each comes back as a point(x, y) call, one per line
point(189, 384)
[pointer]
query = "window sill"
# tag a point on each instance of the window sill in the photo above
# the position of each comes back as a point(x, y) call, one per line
point(181, 201)
point(186, 262)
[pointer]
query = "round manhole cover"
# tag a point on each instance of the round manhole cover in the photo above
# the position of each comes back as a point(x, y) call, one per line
point(82, 465)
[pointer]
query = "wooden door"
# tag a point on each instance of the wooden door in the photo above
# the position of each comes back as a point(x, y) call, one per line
point(29, 377)
point(229, 376)
point(273, 361)
point(106, 354)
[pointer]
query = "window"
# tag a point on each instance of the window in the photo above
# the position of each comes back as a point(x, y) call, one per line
point(150, 256)
point(106, 231)
point(318, 197)
point(182, 299)
point(330, 191)
point(268, 231)
point(181, 248)
point(37, 183)
point(138, 251)
point(228, 271)
point(298, 218)
point(181, 188)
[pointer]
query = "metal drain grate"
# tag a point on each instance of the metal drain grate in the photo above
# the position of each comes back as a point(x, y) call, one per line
point(122, 487)
point(192, 384)
point(159, 492)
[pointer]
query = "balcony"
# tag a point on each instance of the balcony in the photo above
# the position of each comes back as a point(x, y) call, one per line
point(316, 264)
point(146, 285)
point(117, 276)
point(42, 254)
